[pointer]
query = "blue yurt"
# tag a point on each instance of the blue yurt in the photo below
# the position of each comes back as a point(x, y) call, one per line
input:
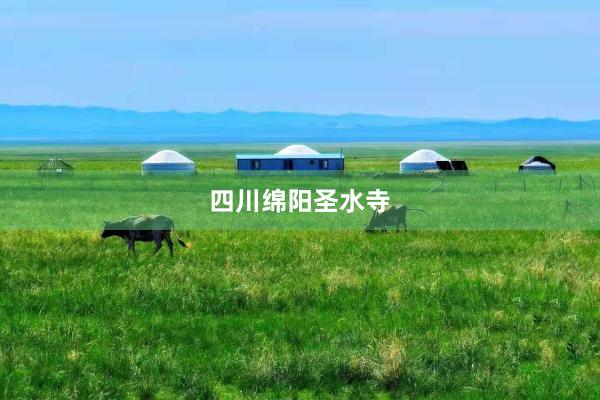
point(421, 161)
point(296, 157)
point(167, 162)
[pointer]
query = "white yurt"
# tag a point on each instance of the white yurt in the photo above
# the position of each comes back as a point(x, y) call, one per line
point(296, 150)
point(421, 160)
point(168, 162)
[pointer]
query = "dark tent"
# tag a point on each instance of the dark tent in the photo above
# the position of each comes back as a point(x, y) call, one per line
point(537, 163)
point(444, 165)
point(460, 165)
point(55, 166)
point(457, 167)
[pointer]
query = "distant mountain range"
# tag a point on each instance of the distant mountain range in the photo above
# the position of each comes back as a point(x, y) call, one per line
point(61, 124)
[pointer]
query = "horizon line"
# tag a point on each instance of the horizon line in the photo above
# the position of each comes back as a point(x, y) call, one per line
point(272, 111)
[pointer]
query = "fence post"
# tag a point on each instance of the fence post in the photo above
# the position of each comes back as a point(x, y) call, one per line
point(524, 184)
point(580, 182)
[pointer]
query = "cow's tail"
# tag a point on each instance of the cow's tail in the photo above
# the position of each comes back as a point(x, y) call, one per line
point(417, 209)
point(187, 245)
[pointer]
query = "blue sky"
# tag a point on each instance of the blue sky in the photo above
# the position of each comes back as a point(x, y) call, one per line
point(493, 59)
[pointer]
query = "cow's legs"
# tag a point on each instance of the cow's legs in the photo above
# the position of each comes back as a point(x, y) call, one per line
point(131, 245)
point(158, 243)
point(169, 243)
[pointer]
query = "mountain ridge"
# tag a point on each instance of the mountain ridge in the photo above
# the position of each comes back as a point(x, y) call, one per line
point(67, 124)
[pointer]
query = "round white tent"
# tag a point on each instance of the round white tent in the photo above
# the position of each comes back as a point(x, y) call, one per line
point(168, 162)
point(296, 150)
point(421, 160)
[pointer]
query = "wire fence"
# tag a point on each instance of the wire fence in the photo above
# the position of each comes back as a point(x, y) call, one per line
point(488, 182)
point(480, 200)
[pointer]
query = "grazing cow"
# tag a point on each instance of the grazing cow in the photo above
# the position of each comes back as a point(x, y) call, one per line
point(393, 215)
point(145, 228)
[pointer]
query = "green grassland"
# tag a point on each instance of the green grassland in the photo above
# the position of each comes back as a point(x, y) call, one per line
point(107, 185)
point(467, 310)
point(480, 201)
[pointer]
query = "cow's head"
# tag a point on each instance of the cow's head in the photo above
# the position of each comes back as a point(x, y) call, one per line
point(370, 227)
point(107, 231)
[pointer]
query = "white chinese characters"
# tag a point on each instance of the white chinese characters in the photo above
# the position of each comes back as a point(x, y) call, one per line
point(297, 200)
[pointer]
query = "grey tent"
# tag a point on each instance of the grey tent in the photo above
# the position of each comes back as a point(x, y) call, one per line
point(537, 164)
point(55, 166)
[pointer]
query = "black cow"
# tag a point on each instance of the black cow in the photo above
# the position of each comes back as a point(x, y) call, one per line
point(393, 215)
point(145, 228)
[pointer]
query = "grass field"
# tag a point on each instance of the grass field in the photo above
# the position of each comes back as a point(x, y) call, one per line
point(301, 313)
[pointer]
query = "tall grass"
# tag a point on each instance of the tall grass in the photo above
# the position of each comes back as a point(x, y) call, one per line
point(314, 315)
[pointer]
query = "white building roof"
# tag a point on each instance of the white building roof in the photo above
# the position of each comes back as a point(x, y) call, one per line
point(167, 157)
point(537, 164)
point(296, 150)
point(423, 156)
